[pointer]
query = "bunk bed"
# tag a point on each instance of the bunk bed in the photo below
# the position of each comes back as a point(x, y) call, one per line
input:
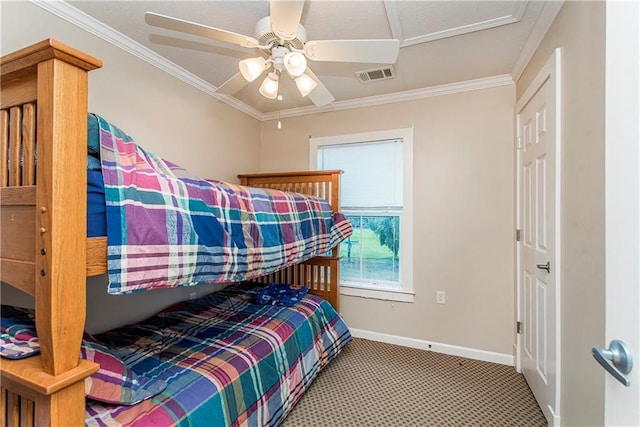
point(45, 251)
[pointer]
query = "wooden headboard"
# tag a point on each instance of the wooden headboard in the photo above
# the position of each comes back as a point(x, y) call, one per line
point(320, 274)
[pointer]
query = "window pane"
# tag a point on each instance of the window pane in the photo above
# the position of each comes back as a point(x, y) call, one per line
point(371, 254)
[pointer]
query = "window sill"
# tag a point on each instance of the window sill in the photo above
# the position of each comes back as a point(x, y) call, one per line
point(399, 295)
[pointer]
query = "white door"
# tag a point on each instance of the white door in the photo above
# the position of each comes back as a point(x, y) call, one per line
point(538, 250)
point(622, 206)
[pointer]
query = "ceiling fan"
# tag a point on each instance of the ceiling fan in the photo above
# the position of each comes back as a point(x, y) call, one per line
point(283, 48)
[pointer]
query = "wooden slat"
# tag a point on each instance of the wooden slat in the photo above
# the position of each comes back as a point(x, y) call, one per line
point(28, 144)
point(3, 406)
point(319, 274)
point(13, 409)
point(15, 143)
point(4, 148)
point(26, 413)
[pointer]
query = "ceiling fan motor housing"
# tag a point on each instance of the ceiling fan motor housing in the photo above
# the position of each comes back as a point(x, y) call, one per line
point(267, 37)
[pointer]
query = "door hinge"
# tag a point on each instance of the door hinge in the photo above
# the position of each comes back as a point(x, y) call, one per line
point(517, 235)
point(518, 327)
point(518, 142)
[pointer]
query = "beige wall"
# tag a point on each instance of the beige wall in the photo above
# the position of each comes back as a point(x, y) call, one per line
point(463, 197)
point(579, 30)
point(463, 186)
point(163, 114)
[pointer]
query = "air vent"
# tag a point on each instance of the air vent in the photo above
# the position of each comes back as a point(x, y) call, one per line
point(383, 73)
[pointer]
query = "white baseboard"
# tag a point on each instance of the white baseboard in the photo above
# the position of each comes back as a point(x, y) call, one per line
point(552, 418)
point(454, 350)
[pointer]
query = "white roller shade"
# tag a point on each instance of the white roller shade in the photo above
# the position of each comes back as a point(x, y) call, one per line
point(372, 172)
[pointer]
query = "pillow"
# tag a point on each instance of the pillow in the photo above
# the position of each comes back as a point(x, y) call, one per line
point(114, 382)
point(18, 338)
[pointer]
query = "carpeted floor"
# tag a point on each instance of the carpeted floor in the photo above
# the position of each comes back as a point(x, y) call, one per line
point(378, 384)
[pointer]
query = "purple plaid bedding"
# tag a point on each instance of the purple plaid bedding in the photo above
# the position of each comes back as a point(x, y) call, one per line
point(167, 228)
point(227, 361)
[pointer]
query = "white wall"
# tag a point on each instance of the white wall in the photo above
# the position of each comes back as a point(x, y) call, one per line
point(579, 30)
point(463, 196)
point(163, 114)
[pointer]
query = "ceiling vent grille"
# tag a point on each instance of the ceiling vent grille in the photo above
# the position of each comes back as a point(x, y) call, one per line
point(382, 73)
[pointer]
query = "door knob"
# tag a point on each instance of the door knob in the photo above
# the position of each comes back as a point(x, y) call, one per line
point(619, 356)
point(546, 266)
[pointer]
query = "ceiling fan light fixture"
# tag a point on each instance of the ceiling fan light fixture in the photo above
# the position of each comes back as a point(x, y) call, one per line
point(295, 63)
point(269, 87)
point(251, 68)
point(305, 84)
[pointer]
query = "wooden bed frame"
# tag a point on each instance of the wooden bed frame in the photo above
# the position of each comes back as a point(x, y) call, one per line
point(44, 250)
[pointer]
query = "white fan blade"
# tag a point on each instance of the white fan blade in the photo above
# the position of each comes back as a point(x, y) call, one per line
point(233, 85)
point(320, 96)
point(189, 27)
point(374, 51)
point(285, 17)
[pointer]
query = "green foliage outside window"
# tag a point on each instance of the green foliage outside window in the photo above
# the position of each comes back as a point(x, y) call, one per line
point(372, 250)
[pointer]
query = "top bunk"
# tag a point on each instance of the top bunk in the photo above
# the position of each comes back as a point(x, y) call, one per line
point(22, 143)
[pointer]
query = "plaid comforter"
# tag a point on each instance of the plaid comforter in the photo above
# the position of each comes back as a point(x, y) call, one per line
point(168, 228)
point(227, 361)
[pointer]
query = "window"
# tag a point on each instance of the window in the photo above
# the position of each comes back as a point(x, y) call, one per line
point(376, 191)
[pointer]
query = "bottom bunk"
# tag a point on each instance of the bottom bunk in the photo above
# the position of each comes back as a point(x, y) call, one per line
point(224, 359)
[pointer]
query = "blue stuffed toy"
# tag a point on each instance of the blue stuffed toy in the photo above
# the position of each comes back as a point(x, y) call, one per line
point(281, 294)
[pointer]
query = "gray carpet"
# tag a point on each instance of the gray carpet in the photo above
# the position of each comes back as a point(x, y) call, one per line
point(377, 384)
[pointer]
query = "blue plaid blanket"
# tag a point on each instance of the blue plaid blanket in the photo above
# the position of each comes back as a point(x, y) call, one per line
point(227, 360)
point(168, 228)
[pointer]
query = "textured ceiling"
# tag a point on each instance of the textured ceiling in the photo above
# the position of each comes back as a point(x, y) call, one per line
point(441, 42)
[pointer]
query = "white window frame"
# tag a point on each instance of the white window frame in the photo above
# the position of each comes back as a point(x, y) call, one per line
point(404, 291)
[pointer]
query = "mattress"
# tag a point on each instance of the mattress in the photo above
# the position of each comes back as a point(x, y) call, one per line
point(96, 205)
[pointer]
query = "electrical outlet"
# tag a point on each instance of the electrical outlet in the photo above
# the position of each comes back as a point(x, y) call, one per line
point(439, 297)
point(192, 295)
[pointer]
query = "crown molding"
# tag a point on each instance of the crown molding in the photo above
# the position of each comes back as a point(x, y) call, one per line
point(80, 19)
point(396, 27)
point(409, 95)
point(549, 12)
point(394, 19)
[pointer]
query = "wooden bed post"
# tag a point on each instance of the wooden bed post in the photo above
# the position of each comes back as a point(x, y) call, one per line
point(61, 213)
point(54, 77)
